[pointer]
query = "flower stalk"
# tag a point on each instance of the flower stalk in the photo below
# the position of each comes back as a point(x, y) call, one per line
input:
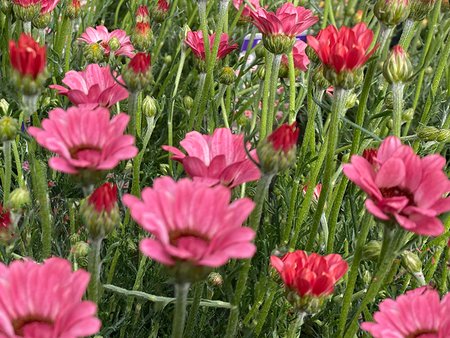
point(94, 267)
point(179, 318)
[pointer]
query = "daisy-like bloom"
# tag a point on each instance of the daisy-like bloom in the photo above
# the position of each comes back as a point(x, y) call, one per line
point(186, 229)
point(417, 314)
point(343, 52)
point(402, 187)
point(309, 277)
point(246, 12)
point(100, 35)
point(195, 41)
point(47, 302)
point(301, 60)
point(85, 139)
point(217, 159)
point(94, 86)
point(280, 29)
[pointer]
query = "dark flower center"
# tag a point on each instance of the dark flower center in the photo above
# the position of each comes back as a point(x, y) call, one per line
point(176, 235)
point(79, 151)
point(397, 191)
point(20, 323)
point(423, 333)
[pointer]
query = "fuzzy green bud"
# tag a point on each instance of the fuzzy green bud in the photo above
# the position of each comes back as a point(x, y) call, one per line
point(408, 115)
point(319, 80)
point(411, 262)
point(167, 59)
point(19, 198)
point(114, 44)
point(227, 76)
point(427, 133)
point(149, 106)
point(397, 67)
point(80, 249)
point(42, 20)
point(28, 13)
point(188, 102)
point(9, 127)
point(278, 44)
point(215, 279)
point(371, 250)
point(391, 12)
point(420, 9)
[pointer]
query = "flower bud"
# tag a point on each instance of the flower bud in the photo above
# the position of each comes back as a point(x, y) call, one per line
point(279, 43)
point(371, 250)
point(344, 79)
point(161, 11)
point(215, 279)
point(42, 20)
point(397, 67)
point(27, 12)
point(142, 14)
point(142, 36)
point(227, 76)
point(114, 44)
point(4, 106)
point(420, 9)
point(167, 59)
point(9, 127)
point(411, 262)
point(391, 12)
point(319, 80)
point(19, 198)
point(73, 9)
point(138, 73)
point(352, 100)
point(100, 211)
point(408, 115)
point(149, 106)
point(80, 249)
point(277, 152)
point(94, 53)
point(312, 55)
point(427, 133)
point(261, 72)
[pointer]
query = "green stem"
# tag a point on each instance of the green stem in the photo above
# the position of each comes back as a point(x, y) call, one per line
point(338, 109)
point(397, 97)
point(409, 29)
point(94, 267)
point(266, 92)
point(8, 170)
point(201, 86)
point(296, 327)
point(18, 165)
point(193, 311)
point(179, 318)
point(292, 108)
point(133, 112)
point(273, 92)
point(68, 47)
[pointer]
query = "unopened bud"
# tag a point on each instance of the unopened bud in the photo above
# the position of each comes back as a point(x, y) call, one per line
point(19, 198)
point(80, 249)
point(391, 12)
point(411, 262)
point(278, 43)
point(371, 250)
point(42, 20)
point(397, 67)
point(408, 115)
point(167, 59)
point(215, 279)
point(227, 76)
point(4, 106)
point(188, 102)
point(319, 80)
point(149, 106)
point(9, 127)
point(114, 44)
point(420, 9)
point(427, 133)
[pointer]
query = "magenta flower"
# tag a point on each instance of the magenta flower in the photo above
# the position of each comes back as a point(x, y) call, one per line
point(403, 187)
point(85, 139)
point(220, 158)
point(94, 86)
point(301, 60)
point(418, 313)
point(45, 300)
point(195, 41)
point(288, 20)
point(247, 10)
point(101, 35)
point(192, 222)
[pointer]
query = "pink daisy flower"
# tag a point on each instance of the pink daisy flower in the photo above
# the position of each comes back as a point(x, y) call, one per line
point(403, 187)
point(45, 300)
point(220, 158)
point(418, 313)
point(301, 60)
point(185, 226)
point(195, 41)
point(85, 139)
point(94, 85)
point(247, 10)
point(101, 35)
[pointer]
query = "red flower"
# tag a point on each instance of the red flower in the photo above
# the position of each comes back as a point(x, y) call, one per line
point(5, 218)
point(27, 56)
point(195, 41)
point(312, 275)
point(285, 137)
point(142, 14)
point(370, 155)
point(345, 49)
point(163, 5)
point(140, 63)
point(104, 198)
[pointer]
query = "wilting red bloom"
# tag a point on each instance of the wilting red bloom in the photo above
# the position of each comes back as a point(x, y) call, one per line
point(345, 49)
point(85, 139)
point(403, 187)
point(246, 12)
point(220, 158)
point(301, 60)
point(418, 313)
point(27, 57)
point(285, 137)
point(288, 20)
point(195, 41)
point(312, 275)
point(5, 218)
point(101, 35)
point(45, 300)
point(94, 86)
point(142, 14)
point(185, 226)
point(104, 198)
point(140, 63)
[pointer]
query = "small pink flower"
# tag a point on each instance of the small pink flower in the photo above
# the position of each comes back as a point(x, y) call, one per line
point(48, 6)
point(403, 187)
point(45, 300)
point(418, 313)
point(316, 193)
point(220, 158)
point(192, 222)
point(85, 139)
point(95, 86)
point(195, 41)
point(101, 35)
point(288, 20)
point(247, 10)
point(301, 60)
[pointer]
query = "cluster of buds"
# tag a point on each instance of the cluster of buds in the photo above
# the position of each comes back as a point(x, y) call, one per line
point(397, 68)
point(428, 133)
point(277, 152)
point(138, 73)
point(100, 211)
point(142, 33)
point(161, 11)
point(391, 12)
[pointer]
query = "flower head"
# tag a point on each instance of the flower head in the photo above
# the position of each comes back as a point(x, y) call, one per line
point(195, 41)
point(85, 139)
point(309, 279)
point(246, 12)
point(402, 187)
point(391, 12)
point(220, 158)
point(142, 14)
point(418, 313)
point(137, 74)
point(101, 36)
point(24, 312)
point(188, 234)
point(343, 52)
point(94, 86)
point(161, 10)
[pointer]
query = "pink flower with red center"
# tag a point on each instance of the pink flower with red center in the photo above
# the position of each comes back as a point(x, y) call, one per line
point(370, 155)
point(288, 20)
point(27, 57)
point(418, 313)
point(284, 137)
point(403, 187)
point(104, 198)
point(343, 50)
point(310, 275)
point(85, 139)
point(94, 86)
point(101, 36)
point(45, 300)
point(195, 41)
point(246, 12)
point(186, 228)
point(301, 60)
point(217, 159)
